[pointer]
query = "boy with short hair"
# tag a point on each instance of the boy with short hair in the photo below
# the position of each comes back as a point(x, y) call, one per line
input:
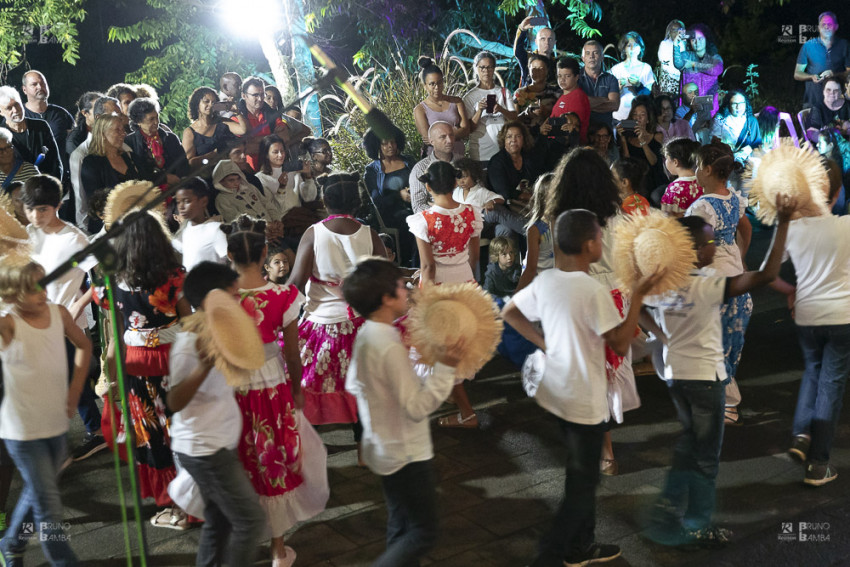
point(688, 322)
point(200, 237)
point(579, 320)
point(53, 241)
point(503, 271)
point(394, 405)
point(205, 431)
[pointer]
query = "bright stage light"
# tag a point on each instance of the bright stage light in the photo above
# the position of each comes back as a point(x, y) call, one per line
point(250, 18)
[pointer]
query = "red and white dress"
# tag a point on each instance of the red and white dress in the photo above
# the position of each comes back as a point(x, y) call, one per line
point(327, 330)
point(448, 231)
point(282, 454)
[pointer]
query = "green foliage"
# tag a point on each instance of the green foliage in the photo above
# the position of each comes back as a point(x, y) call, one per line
point(19, 17)
point(578, 13)
point(189, 51)
point(751, 85)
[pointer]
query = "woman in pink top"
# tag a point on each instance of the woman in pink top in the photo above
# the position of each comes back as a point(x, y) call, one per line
point(439, 107)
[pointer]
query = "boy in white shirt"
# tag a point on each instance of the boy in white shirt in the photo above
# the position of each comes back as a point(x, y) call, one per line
point(53, 242)
point(199, 238)
point(579, 319)
point(819, 248)
point(688, 322)
point(205, 431)
point(394, 404)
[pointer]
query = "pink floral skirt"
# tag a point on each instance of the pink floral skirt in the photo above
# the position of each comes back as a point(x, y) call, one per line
point(325, 356)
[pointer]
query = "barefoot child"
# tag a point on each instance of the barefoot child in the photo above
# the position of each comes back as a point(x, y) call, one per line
point(32, 333)
point(394, 404)
point(578, 319)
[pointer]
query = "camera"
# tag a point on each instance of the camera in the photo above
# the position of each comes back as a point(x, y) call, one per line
point(628, 128)
point(686, 36)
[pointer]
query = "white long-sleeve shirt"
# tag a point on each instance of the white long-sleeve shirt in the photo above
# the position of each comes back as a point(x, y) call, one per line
point(394, 403)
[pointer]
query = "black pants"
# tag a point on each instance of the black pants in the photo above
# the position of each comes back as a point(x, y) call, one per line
point(411, 495)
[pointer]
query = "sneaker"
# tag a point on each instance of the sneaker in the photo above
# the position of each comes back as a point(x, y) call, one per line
point(799, 450)
point(596, 553)
point(710, 537)
point(608, 467)
point(172, 518)
point(817, 475)
point(92, 443)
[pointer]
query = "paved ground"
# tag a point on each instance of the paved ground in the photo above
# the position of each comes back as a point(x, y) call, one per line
point(499, 485)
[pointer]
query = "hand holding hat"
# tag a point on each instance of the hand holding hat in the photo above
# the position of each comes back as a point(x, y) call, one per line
point(794, 172)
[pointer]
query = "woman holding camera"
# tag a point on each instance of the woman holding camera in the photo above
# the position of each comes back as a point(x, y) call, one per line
point(700, 64)
point(639, 139)
point(635, 76)
point(668, 75)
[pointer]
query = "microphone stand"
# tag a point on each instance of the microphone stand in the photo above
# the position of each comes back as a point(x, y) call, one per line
point(106, 255)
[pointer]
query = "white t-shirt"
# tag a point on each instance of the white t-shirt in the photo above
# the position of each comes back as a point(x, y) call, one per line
point(727, 259)
point(665, 57)
point(575, 311)
point(483, 141)
point(392, 401)
point(51, 250)
point(297, 190)
point(819, 247)
point(690, 319)
point(627, 95)
point(212, 419)
point(35, 381)
point(201, 242)
point(478, 196)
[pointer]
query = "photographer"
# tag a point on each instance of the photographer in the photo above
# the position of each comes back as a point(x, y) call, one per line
point(639, 139)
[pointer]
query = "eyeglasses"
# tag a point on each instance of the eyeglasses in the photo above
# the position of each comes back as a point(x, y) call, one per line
point(486, 67)
point(742, 103)
point(254, 95)
point(6, 149)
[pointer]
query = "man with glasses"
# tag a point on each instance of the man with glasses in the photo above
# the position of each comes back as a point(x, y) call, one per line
point(833, 112)
point(822, 57)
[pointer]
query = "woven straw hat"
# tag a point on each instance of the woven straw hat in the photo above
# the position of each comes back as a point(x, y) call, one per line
point(14, 241)
point(794, 172)
point(229, 336)
point(445, 313)
point(643, 245)
point(126, 197)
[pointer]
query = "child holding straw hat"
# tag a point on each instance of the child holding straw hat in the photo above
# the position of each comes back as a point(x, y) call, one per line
point(687, 318)
point(579, 320)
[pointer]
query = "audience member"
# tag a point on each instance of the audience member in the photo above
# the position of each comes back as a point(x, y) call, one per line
point(668, 75)
point(669, 126)
point(832, 111)
point(699, 62)
point(545, 40)
point(441, 135)
point(602, 89)
point(633, 75)
point(822, 57)
point(488, 108)
point(31, 137)
point(439, 107)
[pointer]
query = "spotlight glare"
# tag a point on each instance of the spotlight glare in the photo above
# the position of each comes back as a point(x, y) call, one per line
point(250, 18)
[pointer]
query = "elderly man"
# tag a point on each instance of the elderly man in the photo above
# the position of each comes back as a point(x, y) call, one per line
point(601, 88)
point(834, 111)
point(822, 57)
point(442, 136)
point(545, 46)
point(30, 136)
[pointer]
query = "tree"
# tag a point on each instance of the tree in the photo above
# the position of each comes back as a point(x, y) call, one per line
point(21, 20)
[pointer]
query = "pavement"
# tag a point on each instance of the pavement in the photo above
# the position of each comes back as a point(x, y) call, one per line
point(500, 484)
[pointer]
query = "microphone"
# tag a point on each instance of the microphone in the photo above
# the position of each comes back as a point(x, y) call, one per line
point(379, 122)
point(41, 156)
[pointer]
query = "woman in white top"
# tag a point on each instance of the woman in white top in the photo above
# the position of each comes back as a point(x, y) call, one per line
point(669, 76)
point(328, 252)
point(290, 188)
point(635, 76)
point(486, 119)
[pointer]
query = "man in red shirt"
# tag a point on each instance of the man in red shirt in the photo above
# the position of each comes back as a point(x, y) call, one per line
point(262, 119)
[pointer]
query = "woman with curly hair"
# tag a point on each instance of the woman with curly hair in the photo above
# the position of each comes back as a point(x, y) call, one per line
point(327, 253)
point(282, 454)
point(583, 180)
point(158, 149)
point(513, 170)
point(149, 299)
point(698, 61)
point(208, 134)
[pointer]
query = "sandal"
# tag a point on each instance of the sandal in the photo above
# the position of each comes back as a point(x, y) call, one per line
point(287, 560)
point(732, 417)
point(457, 420)
point(172, 518)
point(609, 467)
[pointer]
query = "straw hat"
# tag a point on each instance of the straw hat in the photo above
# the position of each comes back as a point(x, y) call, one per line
point(14, 240)
point(445, 313)
point(229, 336)
point(795, 172)
point(643, 245)
point(127, 196)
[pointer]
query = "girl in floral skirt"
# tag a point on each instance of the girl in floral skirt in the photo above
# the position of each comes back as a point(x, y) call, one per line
point(328, 251)
point(284, 458)
point(447, 235)
point(149, 297)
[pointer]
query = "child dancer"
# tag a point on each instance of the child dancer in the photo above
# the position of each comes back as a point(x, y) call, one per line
point(199, 238)
point(694, 368)
point(328, 251)
point(278, 263)
point(447, 235)
point(541, 254)
point(578, 319)
point(284, 458)
point(205, 431)
point(394, 404)
point(33, 378)
point(630, 176)
point(724, 209)
point(148, 294)
point(680, 160)
point(503, 271)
